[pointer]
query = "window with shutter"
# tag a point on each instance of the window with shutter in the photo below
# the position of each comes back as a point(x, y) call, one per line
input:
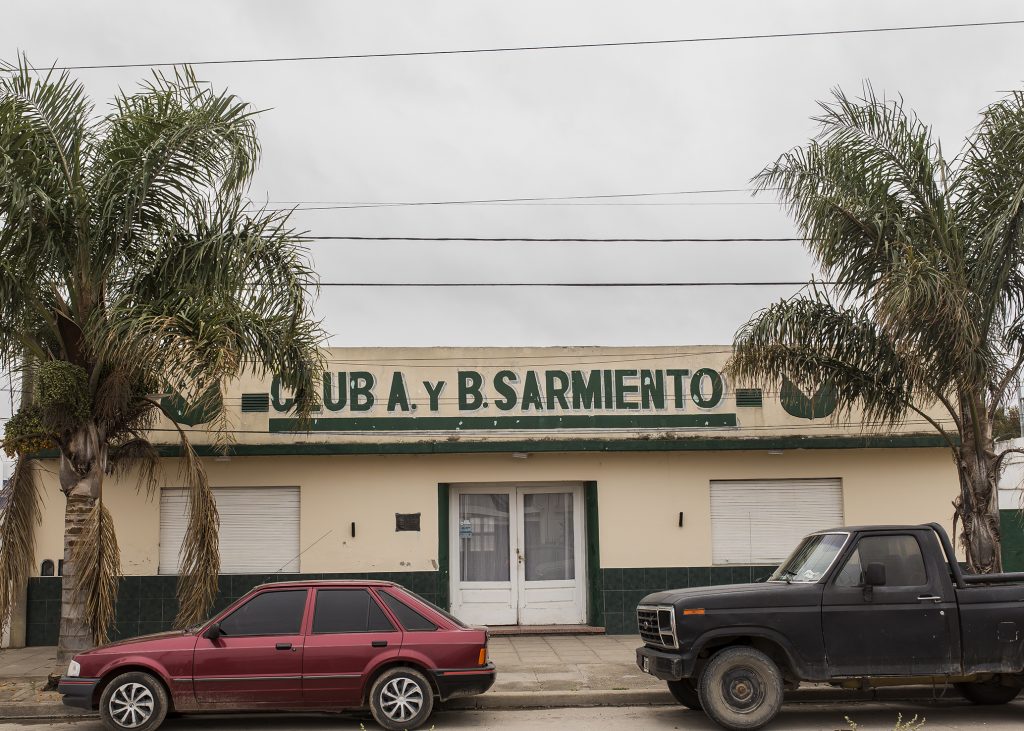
point(762, 521)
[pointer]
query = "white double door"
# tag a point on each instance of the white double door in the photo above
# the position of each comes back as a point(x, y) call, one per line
point(518, 554)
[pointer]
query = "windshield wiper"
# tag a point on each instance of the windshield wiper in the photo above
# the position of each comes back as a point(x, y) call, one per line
point(788, 575)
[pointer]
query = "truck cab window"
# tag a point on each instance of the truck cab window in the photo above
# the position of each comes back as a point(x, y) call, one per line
point(901, 556)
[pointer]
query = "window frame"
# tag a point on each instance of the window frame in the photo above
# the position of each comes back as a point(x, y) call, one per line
point(855, 550)
point(302, 618)
point(372, 598)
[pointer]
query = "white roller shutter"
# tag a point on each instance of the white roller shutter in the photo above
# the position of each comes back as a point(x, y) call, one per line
point(259, 529)
point(761, 521)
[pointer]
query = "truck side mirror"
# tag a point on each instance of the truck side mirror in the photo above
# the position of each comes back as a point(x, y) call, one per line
point(874, 574)
point(213, 632)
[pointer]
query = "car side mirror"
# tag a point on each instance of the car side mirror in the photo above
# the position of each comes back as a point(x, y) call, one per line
point(874, 574)
point(213, 632)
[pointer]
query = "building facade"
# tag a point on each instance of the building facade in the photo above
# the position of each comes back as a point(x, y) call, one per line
point(544, 486)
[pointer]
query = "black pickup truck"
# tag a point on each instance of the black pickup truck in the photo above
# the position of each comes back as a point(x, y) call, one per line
point(856, 607)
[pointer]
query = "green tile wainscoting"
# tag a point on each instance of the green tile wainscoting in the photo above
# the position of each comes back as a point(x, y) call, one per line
point(147, 604)
point(1011, 526)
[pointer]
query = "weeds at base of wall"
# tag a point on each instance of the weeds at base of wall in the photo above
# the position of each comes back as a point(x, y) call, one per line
point(912, 725)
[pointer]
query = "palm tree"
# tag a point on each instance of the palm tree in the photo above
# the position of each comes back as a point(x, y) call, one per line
point(924, 315)
point(132, 266)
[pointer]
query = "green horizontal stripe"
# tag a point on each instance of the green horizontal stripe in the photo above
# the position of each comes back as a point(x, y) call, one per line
point(503, 423)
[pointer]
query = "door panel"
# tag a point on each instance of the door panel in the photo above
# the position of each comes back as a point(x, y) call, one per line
point(484, 583)
point(258, 662)
point(550, 556)
point(907, 627)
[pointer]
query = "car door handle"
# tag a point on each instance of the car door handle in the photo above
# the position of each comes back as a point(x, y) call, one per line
point(929, 598)
point(379, 643)
point(283, 646)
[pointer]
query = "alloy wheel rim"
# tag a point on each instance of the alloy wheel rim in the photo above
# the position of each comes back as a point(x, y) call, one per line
point(131, 705)
point(401, 699)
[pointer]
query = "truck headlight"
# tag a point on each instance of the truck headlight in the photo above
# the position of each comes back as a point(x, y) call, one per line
point(74, 669)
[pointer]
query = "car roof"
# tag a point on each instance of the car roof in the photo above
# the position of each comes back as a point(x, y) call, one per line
point(329, 583)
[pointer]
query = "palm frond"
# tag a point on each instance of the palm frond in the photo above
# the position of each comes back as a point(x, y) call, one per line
point(200, 556)
point(140, 457)
point(97, 561)
point(18, 519)
point(812, 343)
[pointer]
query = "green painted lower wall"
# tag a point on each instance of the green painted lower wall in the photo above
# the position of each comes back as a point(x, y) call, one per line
point(147, 604)
point(1011, 526)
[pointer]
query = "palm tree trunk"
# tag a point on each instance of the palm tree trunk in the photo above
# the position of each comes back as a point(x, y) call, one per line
point(81, 480)
point(75, 633)
point(977, 506)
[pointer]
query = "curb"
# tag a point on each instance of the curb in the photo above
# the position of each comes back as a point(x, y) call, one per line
point(525, 700)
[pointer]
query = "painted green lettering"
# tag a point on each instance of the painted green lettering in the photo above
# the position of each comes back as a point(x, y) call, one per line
point(678, 391)
point(586, 390)
point(278, 403)
point(531, 393)
point(697, 388)
point(470, 397)
point(609, 392)
point(329, 381)
point(652, 389)
point(556, 391)
point(503, 381)
point(623, 389)
point(361, 391)
point(434, 392)
point(398, 396)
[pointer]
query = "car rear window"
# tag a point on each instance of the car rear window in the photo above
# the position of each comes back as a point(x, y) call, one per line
point(412, 620)
point(269, 613)
point(348, 610)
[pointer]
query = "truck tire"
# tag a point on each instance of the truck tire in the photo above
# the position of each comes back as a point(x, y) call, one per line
point(741, 688)
point(685, 691)
point(990, 693)
point(135, 701)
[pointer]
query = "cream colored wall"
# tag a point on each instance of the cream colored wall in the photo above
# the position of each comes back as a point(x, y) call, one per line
point(640, 497)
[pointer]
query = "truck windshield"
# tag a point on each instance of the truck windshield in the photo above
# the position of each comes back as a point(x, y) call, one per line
point(811, 559)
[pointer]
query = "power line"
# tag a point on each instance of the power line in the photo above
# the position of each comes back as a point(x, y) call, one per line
point(554, 47)
point(492, 239)
point(570, 284)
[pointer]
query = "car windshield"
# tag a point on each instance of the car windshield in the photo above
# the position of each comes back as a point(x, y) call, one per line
point(811, 559)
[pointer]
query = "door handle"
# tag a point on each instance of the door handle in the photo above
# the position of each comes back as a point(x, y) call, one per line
point(283, 646)
point(379, 643)
point(930, 598)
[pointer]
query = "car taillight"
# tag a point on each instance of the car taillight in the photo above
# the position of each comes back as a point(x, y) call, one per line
point(483, 656)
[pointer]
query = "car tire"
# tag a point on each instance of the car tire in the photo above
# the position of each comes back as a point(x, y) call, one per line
point(741, 688)
point(685, 691)
point(401, 699)
point(989, 693)
point(134, 702)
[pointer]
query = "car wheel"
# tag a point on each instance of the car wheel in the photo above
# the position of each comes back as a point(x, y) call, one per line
point(135, 701)
point(741, 689)
point(989, 693)
point(401, 699)
point(685, 691)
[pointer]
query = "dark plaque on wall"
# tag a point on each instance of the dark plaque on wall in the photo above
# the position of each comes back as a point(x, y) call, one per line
point(407, 521)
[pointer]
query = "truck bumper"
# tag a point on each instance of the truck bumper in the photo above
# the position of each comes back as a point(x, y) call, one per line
point(664, 665)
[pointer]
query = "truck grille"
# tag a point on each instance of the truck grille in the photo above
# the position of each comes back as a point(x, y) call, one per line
point(657, 625)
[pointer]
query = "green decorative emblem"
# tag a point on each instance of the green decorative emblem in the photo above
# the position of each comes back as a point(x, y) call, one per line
point(817, 406)
point(208, 407)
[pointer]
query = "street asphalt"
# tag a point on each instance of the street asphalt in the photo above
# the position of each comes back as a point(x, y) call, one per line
point(940, 716)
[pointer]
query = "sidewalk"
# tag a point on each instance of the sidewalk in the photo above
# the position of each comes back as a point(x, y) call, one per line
point(533, 672)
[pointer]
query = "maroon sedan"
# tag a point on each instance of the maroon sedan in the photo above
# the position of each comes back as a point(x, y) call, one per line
point(306, 645)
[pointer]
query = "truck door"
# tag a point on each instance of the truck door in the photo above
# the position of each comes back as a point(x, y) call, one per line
point(908, 626)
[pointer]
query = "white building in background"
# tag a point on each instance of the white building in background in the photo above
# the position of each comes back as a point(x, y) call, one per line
point(1011, 482)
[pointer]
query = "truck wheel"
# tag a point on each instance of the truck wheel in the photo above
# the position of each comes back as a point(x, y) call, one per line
point(990, 693)
point(135, 701)
point(401, 699)
point(741, 688)
point(685, 691)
